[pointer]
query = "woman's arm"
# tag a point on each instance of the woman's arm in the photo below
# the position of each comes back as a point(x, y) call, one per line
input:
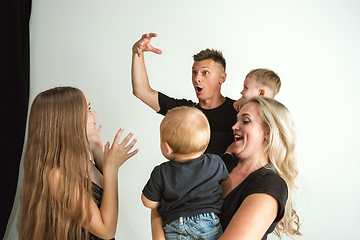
point(104, 221)
point(156, 226)
point(253, 218)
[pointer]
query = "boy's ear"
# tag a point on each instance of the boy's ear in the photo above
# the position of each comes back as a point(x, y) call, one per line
point(169, 150)
point(262, 92)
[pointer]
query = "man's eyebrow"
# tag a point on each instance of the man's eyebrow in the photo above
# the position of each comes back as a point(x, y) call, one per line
point(202, 67)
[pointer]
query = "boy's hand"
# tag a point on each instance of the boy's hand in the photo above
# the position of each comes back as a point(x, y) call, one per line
point(143, 45)
point(237, 104)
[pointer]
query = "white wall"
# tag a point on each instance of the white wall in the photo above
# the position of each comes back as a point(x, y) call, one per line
point(312, 45)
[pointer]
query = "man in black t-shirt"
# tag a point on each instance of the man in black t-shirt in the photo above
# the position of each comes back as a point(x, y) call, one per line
point(208, 74)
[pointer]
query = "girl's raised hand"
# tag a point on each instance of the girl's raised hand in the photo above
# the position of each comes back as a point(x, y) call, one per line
point(115, 156)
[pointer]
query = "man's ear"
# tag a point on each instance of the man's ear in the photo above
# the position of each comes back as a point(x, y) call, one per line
point(262, 92)
point(169, 150)
point(222, 78)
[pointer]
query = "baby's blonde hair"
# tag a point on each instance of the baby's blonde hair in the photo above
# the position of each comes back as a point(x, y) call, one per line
point(186, 130)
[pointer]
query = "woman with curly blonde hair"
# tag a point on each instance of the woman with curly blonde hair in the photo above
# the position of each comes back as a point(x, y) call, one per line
point(64, 194)
point(258, 196)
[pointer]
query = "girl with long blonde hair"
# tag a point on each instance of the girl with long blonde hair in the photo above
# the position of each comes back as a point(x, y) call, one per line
point(258, 196)
point(64, 194)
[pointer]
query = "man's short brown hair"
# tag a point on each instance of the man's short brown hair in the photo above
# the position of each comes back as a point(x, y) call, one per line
point(215, 55)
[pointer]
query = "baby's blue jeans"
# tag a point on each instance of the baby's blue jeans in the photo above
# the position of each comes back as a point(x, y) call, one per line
point(204, 226)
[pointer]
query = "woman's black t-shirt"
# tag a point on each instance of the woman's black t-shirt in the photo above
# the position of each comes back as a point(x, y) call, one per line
point(263, 180)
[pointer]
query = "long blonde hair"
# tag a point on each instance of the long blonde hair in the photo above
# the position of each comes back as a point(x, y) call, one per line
point(56, 139)
point(282, 156)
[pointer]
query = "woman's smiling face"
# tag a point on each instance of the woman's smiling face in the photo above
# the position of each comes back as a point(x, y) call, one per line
point(249, 132)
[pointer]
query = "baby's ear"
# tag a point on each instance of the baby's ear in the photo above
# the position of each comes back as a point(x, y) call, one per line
point(168, 148)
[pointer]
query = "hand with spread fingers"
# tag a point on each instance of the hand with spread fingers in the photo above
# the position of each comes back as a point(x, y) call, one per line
point(143, 45)
point(118, 153)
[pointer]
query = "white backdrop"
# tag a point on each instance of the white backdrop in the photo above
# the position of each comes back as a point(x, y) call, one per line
point(312, 45)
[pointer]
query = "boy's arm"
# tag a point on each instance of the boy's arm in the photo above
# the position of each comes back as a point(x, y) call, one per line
point(148, 203)
point(139, 78)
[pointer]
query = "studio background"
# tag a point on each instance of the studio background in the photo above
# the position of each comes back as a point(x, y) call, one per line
point(312, 45)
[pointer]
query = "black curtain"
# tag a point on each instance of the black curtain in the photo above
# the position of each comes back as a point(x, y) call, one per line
point(14, 77)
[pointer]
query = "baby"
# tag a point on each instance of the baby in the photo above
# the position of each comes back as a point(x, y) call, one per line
point(186, 190)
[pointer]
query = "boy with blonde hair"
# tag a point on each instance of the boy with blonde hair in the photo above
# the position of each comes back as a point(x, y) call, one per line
point(186, 190)
point(259, 82)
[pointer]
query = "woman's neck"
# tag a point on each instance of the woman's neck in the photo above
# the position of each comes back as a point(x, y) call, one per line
point(239, 173)
point(252, 163)
point(250, 167)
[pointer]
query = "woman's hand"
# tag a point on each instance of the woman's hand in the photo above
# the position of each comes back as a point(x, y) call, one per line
point(97, 149)
point(115, 156)
point(95, 141)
